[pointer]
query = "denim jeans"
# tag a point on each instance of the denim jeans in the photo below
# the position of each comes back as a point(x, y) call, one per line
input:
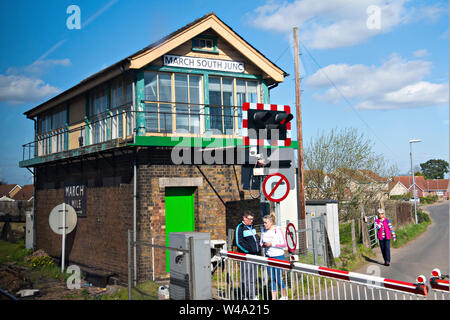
point(385, 249)
point(275, 275)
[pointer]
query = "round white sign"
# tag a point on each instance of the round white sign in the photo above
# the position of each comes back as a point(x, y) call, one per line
point(56, 219)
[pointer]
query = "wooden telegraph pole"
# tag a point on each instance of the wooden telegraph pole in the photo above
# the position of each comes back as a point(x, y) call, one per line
point(300, 188)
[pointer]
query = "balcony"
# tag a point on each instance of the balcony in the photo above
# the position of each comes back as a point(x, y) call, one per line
point(161, 124)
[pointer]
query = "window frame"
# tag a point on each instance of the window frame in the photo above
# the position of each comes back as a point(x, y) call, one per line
point(208, 38)
point(173, 103)
point(52, 130)
point(261, 92)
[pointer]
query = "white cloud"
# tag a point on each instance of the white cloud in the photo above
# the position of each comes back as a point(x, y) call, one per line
point(420, 53)
point(38, 67)
point(337, 23)
point(430, 13)
point(23, 84)
point(396, 83)
point(16, 89)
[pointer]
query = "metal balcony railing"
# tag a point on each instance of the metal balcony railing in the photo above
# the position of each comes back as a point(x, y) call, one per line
point(160, 118)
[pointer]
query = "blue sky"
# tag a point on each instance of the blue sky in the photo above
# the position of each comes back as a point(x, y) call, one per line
point(377, 65)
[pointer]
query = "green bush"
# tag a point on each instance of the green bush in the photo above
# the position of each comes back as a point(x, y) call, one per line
point(423, 217)
point(405, 197)
point(429, 199)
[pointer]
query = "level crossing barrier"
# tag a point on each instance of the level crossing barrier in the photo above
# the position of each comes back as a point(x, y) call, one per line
point(439, 286)
point(308, 282)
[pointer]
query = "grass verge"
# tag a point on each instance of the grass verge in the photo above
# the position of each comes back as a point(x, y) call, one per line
point(412, 231)
point(13, 252)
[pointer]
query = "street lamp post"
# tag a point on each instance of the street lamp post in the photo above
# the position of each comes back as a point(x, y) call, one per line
point(412, 172)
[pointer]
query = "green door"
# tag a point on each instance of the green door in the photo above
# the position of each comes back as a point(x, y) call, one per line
point(179, 213)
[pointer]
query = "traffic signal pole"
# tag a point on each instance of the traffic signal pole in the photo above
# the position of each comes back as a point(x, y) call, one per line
point(301, 206)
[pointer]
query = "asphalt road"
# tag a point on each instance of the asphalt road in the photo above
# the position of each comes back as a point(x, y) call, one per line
point(420, 256)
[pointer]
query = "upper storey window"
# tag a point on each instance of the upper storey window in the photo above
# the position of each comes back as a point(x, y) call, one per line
point(51, 131)
point(205, 44)
point(52, 120)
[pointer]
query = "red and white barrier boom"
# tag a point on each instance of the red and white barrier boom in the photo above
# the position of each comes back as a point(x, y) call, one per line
point(437, 283)
point(418, 288)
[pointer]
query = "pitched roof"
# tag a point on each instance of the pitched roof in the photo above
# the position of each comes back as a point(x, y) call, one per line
point(372, 175)
point(436, 184)
point(408, 182)
point(26, 193)
point(360, 176)
point(135, 60)
point(5, 189)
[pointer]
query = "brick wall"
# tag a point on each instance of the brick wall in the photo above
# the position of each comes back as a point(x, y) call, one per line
point(100, 238)
point(220, 186)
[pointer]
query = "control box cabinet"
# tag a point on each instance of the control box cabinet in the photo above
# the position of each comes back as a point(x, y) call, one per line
point(190, 272)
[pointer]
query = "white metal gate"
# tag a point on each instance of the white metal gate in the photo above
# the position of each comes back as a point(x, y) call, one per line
point(305, 282)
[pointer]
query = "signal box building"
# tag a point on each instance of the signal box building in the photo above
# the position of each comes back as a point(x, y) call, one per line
point(149, 144)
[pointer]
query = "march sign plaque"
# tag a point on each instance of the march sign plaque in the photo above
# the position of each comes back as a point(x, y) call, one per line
point(75, 195)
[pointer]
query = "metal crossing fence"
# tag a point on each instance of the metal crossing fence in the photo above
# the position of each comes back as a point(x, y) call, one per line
point(372, 230)
point(243, 276)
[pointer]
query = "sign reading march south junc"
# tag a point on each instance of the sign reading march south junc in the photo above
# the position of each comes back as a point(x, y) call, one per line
point(75, 195)
point(203, 63)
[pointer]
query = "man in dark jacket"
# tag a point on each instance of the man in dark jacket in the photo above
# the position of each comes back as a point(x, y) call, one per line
point(247, 242)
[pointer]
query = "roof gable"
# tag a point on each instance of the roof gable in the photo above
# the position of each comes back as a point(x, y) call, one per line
point(26, 193)
point(408, 183)
point(190, 31)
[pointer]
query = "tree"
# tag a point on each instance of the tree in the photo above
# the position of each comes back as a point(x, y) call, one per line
point(342, 165)
point(434, 169)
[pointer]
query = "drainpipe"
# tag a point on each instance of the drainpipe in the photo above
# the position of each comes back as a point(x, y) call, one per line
point(270, 88)
point(133, 95)
point(134, 219)
point(34, 191)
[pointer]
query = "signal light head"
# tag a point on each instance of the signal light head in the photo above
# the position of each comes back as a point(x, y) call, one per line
point(421, 279)
point(283, 118)
point(436, 273)
point(266, 124)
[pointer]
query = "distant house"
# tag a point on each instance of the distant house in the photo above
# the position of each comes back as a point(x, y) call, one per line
point(372, 185)
point(397, 188)
point(9, 191)
point(437, 187)
point(345, 183)
point(24, 194)
point(316, 184)
point(424, 187)
point(407, 182)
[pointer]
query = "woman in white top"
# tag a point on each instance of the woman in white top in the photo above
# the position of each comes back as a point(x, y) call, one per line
point(272, 239)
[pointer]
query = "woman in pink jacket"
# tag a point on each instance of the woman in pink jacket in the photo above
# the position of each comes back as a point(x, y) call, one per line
point(385, 232)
